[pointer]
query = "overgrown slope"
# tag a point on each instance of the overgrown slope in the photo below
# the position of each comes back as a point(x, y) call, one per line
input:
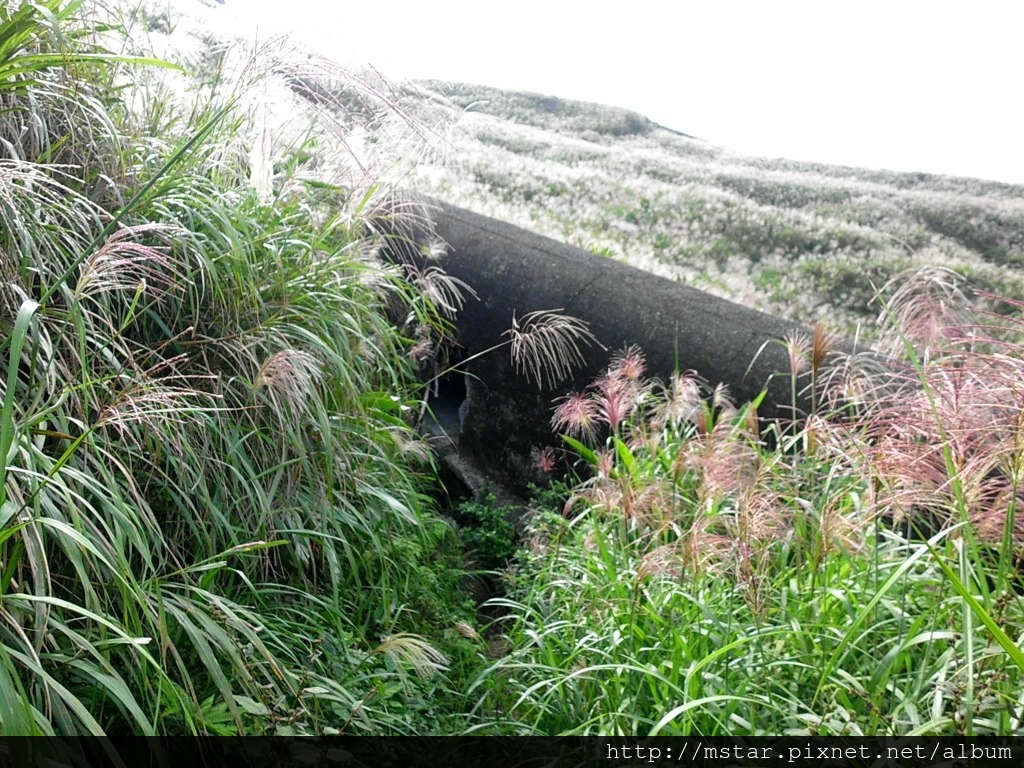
point(214, 512)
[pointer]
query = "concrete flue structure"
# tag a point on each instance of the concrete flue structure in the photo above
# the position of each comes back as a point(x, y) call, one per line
point(514, 272)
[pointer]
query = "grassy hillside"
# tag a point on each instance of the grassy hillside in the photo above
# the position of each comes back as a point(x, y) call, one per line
point(217, 515)
point(807, 241)
point(859, 577)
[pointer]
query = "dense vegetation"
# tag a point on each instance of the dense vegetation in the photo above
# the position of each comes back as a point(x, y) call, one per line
point(857, 577)
point(214, 509)
point(216, 515)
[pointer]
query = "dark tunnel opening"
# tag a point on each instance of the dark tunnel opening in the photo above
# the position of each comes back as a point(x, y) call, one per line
point(447, 403)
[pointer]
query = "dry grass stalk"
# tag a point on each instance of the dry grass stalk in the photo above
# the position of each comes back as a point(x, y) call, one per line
point(546, 345)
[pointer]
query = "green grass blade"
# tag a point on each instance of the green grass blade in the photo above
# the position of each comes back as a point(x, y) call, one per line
point(672, 714)
point(869, 610)
point(17, 715)
point(22, 323)
point(1005, 641)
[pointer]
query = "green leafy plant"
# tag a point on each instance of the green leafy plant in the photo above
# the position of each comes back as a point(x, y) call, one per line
point(488, 532)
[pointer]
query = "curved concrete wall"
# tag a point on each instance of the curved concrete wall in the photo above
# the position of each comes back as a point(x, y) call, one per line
point(516, 271)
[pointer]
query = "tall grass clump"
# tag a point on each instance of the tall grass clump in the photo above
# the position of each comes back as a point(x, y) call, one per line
point(212, 504)
point(856, 574)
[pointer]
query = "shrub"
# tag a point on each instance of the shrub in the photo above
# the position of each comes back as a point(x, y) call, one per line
point(488, 532)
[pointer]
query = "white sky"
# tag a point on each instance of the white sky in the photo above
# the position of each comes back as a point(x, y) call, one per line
point(902, 84)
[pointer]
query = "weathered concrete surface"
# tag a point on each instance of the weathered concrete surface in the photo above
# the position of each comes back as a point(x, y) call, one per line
point(514, 272)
